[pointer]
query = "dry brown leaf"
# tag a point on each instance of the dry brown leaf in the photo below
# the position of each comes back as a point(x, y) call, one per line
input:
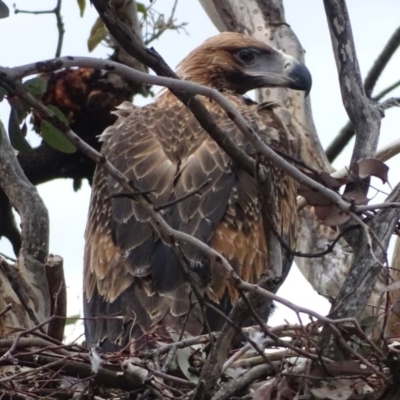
point(274, 389)
point(356, 196)
point(313, 197)
point(340, 389)
point(331, 215)
point(371, 167)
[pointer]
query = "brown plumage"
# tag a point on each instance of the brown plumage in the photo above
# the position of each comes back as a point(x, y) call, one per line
point(129, 271)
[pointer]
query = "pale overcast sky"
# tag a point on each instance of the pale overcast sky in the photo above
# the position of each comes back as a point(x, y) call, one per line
point(26, 38)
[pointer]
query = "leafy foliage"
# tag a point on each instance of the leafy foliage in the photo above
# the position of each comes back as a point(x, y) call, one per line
point(97, 34)
point(53, 137)
point(82, 6)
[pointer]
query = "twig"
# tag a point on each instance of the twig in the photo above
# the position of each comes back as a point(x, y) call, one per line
point(182, 198)
point(380, 64)
point(6, 309)
point(169, 359)
point(129, 195)
point(60, 24)
point(228, 390)
point(8, 257)
point(60, 27)
point(10, 75)
point(180, 345)
point(168, 25)
point(42, 344)
point(386, 91)
point(240, 332)
point(237, 355)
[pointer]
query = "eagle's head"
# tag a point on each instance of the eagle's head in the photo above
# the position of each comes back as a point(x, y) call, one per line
point(240, 63)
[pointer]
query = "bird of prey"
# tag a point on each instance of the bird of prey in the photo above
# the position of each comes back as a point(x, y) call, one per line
point(133, 280)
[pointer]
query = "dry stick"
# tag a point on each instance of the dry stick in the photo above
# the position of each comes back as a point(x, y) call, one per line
point(262, 292)
point(33, 342)
point(298, 309)
point(8, 354)
point(60, 25)
point(237, 355)
point(11, 75)
point(191, 193)
point(81, 370)
point(6, 309)
point(31, 372)
point(192, 88)
point(274, 337)
point(229, 389)
point(380, 64)
point(180, 345)
point(384, 92)
point(240, 332)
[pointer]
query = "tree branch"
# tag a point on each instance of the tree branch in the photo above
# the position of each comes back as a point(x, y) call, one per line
point(380, 64)
point(363, 113)
point(347, 132)
point(24, 197)
point(10, 75)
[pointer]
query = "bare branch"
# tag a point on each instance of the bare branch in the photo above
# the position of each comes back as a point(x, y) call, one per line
point(364, 115)
point(60, 24)
point(9, 75)
point(380, 64)
point(386, 91)
point(347, 132)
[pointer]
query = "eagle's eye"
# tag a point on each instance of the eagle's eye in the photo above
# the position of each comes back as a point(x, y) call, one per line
point(245, 56)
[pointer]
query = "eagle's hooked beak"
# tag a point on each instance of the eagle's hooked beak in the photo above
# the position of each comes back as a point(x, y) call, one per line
point(297, 74)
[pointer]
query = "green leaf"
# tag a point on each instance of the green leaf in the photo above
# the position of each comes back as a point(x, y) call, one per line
point(3, 92)
point(82, 6)
point(72, 319)
point(16, 134)
point(369, 321)
point(142, 9)
point(369, 324)
point(59, 113)
point(4, 10)
point(97, 34)
point(53, 137)
point(36, 86)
